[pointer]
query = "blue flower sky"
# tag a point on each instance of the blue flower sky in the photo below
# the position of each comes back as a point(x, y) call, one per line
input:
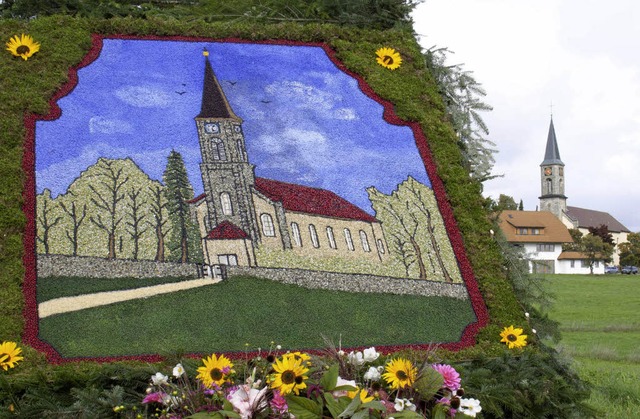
point(305, 121)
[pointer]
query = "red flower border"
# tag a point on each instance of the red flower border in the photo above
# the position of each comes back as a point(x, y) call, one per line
point(30, 333)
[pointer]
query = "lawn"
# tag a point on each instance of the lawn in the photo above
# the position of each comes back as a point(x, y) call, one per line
point(230, 314)
point(600, 323)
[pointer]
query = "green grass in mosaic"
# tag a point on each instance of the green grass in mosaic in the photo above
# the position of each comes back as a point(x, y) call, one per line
point(600, 324)
point(58, 286)
point(226, 316)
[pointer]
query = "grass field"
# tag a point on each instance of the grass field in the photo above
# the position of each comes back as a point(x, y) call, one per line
point(225, 316)
point(600, 324)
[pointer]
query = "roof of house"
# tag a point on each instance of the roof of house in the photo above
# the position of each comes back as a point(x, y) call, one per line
point(308, 200)
point(226, 230)
point(551, 154)
point(589, 218)
point(551, 230)
point(573, 256)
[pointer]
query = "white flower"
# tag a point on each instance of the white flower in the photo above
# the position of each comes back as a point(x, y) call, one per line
point(341, 352)
point(370, 354)
point(372, 374)
point(402, 404)
point(526, 315)
point(534, 331)
point(355, 358)
point(278, 347)
point(470, 407)
point(247, 400)
point(159, 379)
point(342, 382)
point(178, 370)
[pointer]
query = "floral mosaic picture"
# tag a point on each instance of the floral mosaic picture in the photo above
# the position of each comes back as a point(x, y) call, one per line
point(197, 195)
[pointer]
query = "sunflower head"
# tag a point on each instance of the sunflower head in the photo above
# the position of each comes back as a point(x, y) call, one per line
point(9, 355)
point(216, 371)
point(23, 46)
point(400, 373)
point(289, 374)
point(388, 58)
point(513, 337)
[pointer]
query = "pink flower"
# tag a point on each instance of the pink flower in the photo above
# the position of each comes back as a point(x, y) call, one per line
point(450, 375)
point(154, 398)
point(278, 403)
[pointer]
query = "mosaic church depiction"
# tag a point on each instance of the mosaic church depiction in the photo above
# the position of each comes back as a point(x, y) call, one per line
point(239, 211)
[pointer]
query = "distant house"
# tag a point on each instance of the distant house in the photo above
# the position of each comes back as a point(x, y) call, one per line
point(553, 199)
point(541, 235)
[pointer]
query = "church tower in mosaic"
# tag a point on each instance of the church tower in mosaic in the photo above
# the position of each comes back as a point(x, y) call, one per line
point(227, 176)
point(552, 197)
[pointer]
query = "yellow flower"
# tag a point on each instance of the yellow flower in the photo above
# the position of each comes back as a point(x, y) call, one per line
point(400, 373)
point(215, 371)
point(304, 359)
point(388, 58)
point(23, 46)
point(513, 337)
point(364, 396)
point(9, 355)
point(289, 375)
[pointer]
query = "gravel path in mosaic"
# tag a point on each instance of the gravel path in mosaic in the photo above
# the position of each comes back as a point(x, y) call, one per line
point(80, 302)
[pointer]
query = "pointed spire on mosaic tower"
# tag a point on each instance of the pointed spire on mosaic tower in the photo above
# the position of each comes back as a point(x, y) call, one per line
point(214, 101)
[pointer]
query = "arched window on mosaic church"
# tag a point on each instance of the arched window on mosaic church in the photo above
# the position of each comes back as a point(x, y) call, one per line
point(380, 246)
point(225, 202)
point(348, 239)
point(314, 235)
point(365, 241)
point(218, 150)
point(295, 231)
point(267, 225)
point(332, 240)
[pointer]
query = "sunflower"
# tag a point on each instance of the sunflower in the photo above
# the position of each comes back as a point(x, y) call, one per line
point(364, 395)
point(9, 355)
point(513, 337)
point(399, 373)
point(388, 58)
point(23, 46)
point(289, 375)
point(215, 371)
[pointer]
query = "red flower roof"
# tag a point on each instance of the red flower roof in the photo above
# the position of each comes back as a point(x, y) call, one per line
point(309, 200)
point(226, 230)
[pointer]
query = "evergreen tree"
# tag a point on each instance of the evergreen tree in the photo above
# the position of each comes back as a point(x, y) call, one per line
point(184, 241)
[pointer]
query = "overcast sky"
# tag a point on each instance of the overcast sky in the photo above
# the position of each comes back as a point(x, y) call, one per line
point(581, 55)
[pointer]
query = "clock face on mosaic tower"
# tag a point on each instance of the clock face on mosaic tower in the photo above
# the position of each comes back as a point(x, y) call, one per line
point(211, 128)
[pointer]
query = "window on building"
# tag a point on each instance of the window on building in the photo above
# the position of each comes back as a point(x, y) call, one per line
point(545, 247)
point(522, 231)
point(549, 186)
point(332, 240)
point(218, 150)
point(543, 266)
point(225, 201)
point(314, 236)
point(267, 225)
point(365, 241)
point(584, 263)
point(535, 231)
point(573, 263)
point(380, 246)
point(240, 150)
point(295, 231)
point(231, 260)
point(348, 239)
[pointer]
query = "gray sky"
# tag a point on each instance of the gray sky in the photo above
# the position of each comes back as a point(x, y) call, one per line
point(581, 55)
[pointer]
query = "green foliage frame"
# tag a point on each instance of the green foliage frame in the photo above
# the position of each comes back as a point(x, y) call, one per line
point(27, 87)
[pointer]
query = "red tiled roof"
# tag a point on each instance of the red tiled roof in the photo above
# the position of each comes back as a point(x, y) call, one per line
point(550, 229)
point(309, 200)
point(226, 230)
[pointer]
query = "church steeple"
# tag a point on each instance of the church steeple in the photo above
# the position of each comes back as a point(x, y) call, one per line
point(552, 196)
point(214, 101)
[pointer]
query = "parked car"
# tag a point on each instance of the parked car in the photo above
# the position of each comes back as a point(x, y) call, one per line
point(629, 270)
point(611, 270)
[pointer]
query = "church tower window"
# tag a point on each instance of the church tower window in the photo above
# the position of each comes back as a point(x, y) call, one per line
point(218, 150)
point(348, 239)
point(332, 239)
point(295, 230)
point(267, 225)
point(549, 186)
point(380, 246)
point(365, 241)
point(314, 236)
point(225, 202)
